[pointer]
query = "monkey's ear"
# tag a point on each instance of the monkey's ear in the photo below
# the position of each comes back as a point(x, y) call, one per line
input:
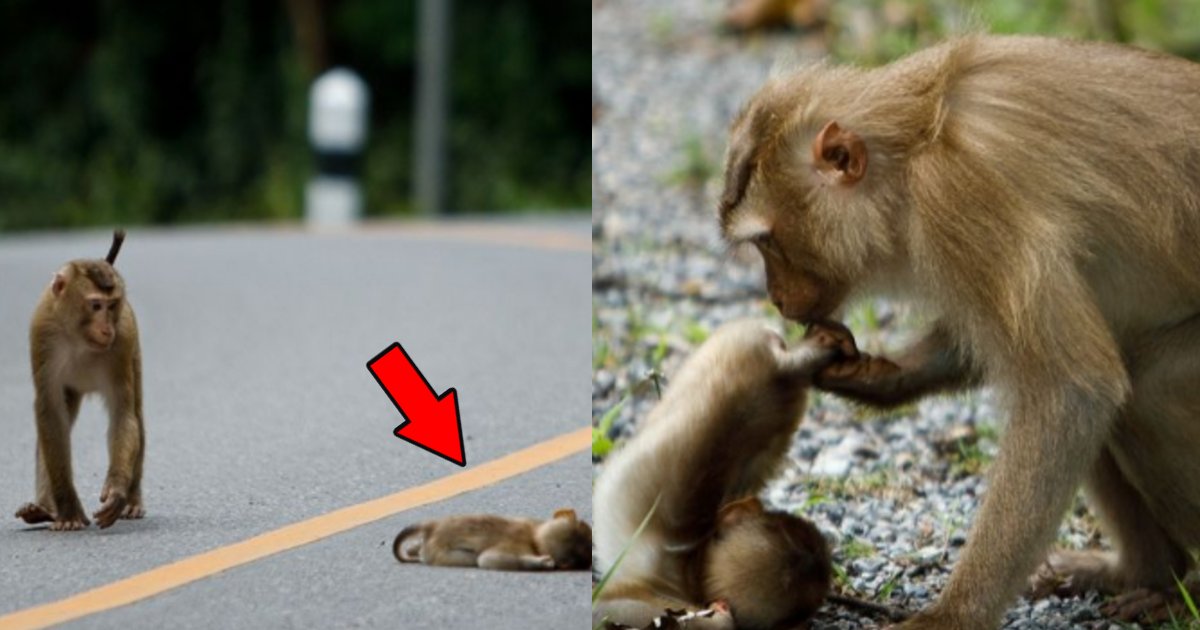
point(736, 511)
point(840, 153)
point(59, 282)
point(566, 513)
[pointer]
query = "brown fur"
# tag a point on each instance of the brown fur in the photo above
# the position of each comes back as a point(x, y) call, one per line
point(1040, 199)
point(84, 339)
point(497, 542)
point(719, 433)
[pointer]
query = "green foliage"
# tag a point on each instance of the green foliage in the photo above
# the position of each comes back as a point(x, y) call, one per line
point(696, 168)
point(601, 443)
point(856, 548)
point(186, 112)
point(873, 32)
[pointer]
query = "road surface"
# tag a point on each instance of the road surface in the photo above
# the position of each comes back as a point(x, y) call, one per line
point(260, 413)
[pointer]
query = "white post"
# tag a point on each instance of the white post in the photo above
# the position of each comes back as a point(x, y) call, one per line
point(337, 129)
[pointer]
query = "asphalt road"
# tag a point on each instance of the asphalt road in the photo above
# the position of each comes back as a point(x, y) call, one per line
point(260, 413)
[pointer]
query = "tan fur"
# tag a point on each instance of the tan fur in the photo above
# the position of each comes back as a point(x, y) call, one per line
point(720, 431)
point(497, 542)
point(83, 340)
point(1040, 198)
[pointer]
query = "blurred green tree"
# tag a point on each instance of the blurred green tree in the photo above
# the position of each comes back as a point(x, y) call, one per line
point(154, 112)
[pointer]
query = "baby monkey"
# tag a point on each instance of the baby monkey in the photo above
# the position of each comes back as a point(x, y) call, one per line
point(496, 542)
point(720, 432)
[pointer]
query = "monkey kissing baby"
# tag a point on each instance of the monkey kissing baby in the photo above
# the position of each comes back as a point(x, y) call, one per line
point(720, 432)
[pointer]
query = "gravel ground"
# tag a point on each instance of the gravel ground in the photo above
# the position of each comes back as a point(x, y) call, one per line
point(895, 495)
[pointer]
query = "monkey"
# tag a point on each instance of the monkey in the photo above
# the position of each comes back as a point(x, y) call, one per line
point(1037, 200)
point(496, 542)
point(773, 566)
point(84, 339)
point(720, 432)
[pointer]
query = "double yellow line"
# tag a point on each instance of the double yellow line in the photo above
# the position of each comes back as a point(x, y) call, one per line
point(176, 574)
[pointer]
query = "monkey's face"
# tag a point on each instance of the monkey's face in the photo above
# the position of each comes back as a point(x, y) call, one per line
point(94, 297)
point(98, 319)
point(569, 541)
point(772, 568)
point(799, 192)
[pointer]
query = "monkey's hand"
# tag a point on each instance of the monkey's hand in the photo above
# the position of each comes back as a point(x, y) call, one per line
point(864, 378)
point(716, 616)
point(1150, 606)
point(834, 336)
point(112, 508)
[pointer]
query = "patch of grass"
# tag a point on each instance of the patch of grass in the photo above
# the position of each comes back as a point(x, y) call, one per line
point(1189, 602)
point(660, 353)
point(600, 352)
point(602, 444)
point(697, 166)
point(856, 548)
point(695, 333)
point(814, 499)
point(968, 459)
point(662, 28)
point(840, 578)
point(833, 489)
point(885, 591)
point(864, 317)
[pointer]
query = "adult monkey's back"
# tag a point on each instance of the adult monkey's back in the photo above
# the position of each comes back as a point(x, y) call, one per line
point(1041, 200)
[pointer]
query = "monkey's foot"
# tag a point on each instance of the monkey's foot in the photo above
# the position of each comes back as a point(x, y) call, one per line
point(1148, 606)
point(1070, 573)
point(133, 510)
point(33, 514)
point(112, 509)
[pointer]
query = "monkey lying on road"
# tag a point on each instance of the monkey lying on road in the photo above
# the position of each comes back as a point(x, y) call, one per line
point(497, 542)
point(720, 432)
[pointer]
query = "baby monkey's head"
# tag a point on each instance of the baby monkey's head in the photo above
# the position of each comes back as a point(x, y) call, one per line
point(566, 539)
point(772, 569)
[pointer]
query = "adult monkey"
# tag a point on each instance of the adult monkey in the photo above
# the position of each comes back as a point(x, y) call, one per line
point(1041, 198)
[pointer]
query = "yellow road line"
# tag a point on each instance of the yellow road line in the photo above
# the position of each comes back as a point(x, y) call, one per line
point(176, 574)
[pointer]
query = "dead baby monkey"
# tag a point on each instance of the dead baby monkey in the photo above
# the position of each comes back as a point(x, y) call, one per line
point(720, 432)
point(497, 542)
point(84, 339)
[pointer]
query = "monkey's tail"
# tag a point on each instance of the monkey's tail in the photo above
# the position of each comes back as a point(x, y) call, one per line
point(118, 238)
point(409, 553)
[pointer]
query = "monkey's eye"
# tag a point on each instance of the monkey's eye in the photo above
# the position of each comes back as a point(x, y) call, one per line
point(96, 305)
point(112, 306)
point(765, 243)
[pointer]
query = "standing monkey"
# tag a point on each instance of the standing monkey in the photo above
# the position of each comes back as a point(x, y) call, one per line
point(84, 339)
point(1040, 198)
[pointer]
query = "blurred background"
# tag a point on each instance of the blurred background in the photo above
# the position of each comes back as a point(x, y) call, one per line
point(877, 31)
point(182, 112)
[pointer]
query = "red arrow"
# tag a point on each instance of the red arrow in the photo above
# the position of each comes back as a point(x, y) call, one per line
point(430, 421)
